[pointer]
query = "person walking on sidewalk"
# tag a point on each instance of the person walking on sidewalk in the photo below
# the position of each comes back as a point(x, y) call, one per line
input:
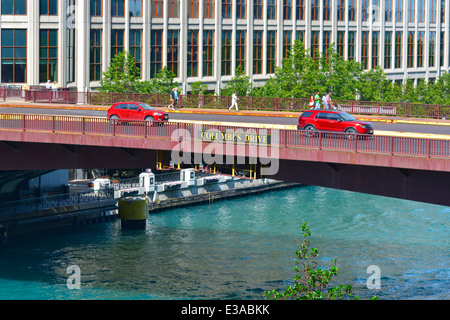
point(176, 97)
point(172, 98)
point(234, 100)
point(311, 101)
point(317, 100)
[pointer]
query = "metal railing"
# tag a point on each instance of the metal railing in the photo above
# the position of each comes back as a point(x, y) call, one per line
point(431, 148)
point(404, 109)
point(12, 209)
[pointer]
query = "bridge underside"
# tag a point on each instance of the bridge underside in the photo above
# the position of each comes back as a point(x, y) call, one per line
point(410, 184)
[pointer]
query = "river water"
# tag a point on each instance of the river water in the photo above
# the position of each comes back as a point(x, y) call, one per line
point(237, 249)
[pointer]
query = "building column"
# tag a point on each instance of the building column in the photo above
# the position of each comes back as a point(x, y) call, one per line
point(218, 46)
point(106, 33)
point(62, 43)
point(146, 40)
point(182, 43)
point(82, 36)
point(33, 43)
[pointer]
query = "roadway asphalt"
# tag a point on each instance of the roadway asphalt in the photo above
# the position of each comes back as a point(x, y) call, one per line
point(279, 114)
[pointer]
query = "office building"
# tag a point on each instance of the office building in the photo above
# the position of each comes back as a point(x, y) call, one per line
point(72, 41)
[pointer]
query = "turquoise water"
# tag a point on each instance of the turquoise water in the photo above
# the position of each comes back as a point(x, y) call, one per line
point(237, 249)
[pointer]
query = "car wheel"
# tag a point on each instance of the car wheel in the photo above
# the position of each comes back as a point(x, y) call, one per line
point(114, 119)
point(351, 133)
point(310, 130)
point(149, 120)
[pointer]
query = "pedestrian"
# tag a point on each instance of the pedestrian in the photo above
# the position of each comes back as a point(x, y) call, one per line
point(317, 100)
point(176, 97)
point(48, 85)
point(311, 101)
point(172, 99)
point(325, 102)
point(329, 102)
point(234, 100)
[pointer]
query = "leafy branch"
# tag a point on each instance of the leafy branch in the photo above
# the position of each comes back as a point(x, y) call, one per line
point(311, 282)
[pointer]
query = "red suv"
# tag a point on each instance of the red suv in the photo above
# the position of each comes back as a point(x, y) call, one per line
point(338, 121)
point(136, 111)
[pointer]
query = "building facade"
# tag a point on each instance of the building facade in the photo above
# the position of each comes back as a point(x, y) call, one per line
point(73, 41)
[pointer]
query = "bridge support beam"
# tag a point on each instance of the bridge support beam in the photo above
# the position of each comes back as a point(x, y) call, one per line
point(416, 185)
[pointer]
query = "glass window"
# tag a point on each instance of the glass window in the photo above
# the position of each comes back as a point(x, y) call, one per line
point(158, 8)
point(365, 48)
point(172, 51)
point(208, 9)
point(300, 10)
point(271, 9)
point(48, 7)
point(271, 51)
point(398, 49)
point(174, 8)
point(226, 9)
point(351, 45)
point(399, 11)
point(341, 10)
point(117, 8)
point(351, 10)
point(315, 9)
point(14, 55)
point(208, 53)
point(411, 10)
point(18, 7)
point(226, 52)
point(375, 48)
point(257, 9)
point(156, 52)
point(136, 8)
point(387, 49)
point(287, 9)
point(95, 53)
point(241, 9)
point(287, 43)
point(136, 47)
point(315, 44)
point(241, 48)
point(257, 51)
point(388, 11)
point(48, 55)
point(326, 10)
point(410, 49)
point(432, 49)
point(192, 53)
point(117, 44)
point(193, 6)
point(96, 8)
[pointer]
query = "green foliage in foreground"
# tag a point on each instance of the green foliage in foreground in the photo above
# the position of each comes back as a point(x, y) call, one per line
point(310, 281)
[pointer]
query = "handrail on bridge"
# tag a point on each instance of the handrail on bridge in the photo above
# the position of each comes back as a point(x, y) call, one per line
point(64, 96)
point(12, 208)
point(391, 145)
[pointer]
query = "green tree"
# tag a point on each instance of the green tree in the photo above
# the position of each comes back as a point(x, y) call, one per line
point(122, 75)
point(240, 83)
point(311, 282)
point(163, 82)
point(197, 88)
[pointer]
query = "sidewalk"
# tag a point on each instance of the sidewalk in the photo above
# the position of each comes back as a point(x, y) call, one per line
point(287, 114)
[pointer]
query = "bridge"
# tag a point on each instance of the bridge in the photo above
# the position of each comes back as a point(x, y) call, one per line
point(402, 167)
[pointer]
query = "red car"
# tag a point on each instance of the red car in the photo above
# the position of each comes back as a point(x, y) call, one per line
point(136, 111)
point(337, 121)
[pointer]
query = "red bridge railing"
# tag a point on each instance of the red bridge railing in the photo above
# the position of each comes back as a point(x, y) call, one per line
point(65, 96)
point(390, 145)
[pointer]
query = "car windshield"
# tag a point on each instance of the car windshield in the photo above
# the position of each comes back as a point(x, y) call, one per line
point(145, 106)
point(347, 117)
